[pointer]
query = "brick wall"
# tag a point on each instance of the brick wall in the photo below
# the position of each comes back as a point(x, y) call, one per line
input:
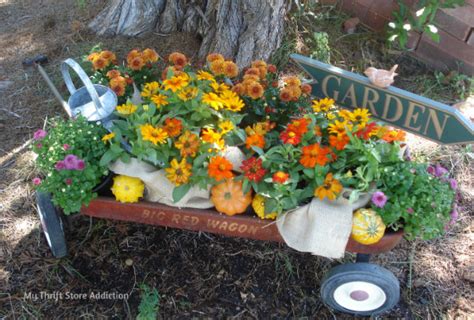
point(456, 47)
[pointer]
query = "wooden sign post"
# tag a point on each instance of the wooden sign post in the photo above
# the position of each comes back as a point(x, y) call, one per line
point(419, 115)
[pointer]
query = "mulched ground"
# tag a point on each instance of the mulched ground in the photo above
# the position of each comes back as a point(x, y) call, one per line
point(197, 275)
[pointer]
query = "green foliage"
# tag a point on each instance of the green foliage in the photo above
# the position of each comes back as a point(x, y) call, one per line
point(70, 188)
point(320, 49)
point(149, 304)
point(461, 84)
point(418, 202)
point(420, 21)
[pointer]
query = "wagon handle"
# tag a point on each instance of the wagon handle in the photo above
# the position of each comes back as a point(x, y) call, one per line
point(84, 78)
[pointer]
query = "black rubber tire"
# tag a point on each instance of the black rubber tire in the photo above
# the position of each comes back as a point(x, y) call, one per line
point(365, 272)
point(51, 224)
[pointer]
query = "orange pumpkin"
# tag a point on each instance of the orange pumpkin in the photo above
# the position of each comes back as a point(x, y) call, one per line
point(229, 198)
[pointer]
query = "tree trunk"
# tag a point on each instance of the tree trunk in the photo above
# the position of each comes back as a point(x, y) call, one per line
point(243, 30)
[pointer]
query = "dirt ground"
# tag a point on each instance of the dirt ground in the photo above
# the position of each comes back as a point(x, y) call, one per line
point(196, 274)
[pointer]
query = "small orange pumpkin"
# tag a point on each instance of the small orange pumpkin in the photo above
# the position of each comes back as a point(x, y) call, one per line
point(229, 198)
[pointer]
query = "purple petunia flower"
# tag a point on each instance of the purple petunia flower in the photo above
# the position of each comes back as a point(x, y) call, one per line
point(39, 134)
point(70, 162)
point(60, 165)
point(440, 171)
point(80, 164)
point(379, 199)
point(453, 183)
point(36, 181)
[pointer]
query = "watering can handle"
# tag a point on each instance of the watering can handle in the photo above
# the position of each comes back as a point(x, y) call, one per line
point(84, 78)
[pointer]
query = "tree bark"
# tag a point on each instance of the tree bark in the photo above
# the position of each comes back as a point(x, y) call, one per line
point(243, 30)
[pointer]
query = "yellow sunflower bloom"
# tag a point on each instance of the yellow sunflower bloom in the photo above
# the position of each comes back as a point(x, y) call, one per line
point(322, 105)
point(152, 134)
point(219, 88)
point(258, 205)
point(159, 99)
point(188, 93)
point(108, 137)
point(339, 127)
point(211, 136)
point(212, 100)
point(176, 83)
point(150, 89)
point(226, 126)
point(204, 75)
point(127, 189)
point(360, 117)
point(127, 108)
point(345, 114)
point(179, 172)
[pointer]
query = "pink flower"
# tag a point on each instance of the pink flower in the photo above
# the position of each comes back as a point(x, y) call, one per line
point(431, 170)
point(66, 146)
point(70, 162)
point(39, 145)
point(80, 164)
point(453, 183)
point(440, 171)
point(68, 181)
point(379, 199)
point(39, 134)
point(410, 210)
point(60, 165)
point(454, 216)
point(36, 181)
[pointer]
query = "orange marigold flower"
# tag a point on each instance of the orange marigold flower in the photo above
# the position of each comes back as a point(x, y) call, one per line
point(136, 63)
point(220, 168)
point(217, 67)
point(314, 155)
point(272, 68)
point(280, 177)
point(339, 141)
point(188, 144)
point(173, 127)
point(214, 56)
point(285, 95)
point(330, 189)
point(256, 140)
point(113, 74)
point(394, 135)
point(230, 69)
point(150, 55)
point(292, 81)
point(99, 63)
point(178, 59)
point(306, 89)
point(255, 90)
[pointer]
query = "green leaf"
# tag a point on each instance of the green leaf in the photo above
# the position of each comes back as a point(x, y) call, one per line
point(180, 192)
point(108, 157)
point(125, 157)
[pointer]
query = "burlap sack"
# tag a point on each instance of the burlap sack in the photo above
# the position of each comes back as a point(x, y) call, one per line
point(160, 189)
point(321, 227)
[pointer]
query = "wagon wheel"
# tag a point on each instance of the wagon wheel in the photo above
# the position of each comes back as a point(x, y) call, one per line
point(360, 289)
point(52, 225)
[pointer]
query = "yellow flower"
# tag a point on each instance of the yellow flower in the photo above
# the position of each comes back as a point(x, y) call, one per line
point(330, 189)
point(360, 116)
point(211, 136)
point(219, 88)
point(345, 114)
point(159, 100)
point(212, 100)
point(339, 128)
point(176, 83)
point(127, 189)
point(150, 89)
point(330, 116)
point(152, 134)
point(226, 126)
point(203, 75)
point(232, 101)
point(258, 205)
point(261, 128)
point(127, 108)
point(188, 93)
point(179, 172)
point(109, 136)
point(322, 105)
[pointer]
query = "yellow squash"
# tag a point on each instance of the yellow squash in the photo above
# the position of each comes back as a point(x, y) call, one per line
point(367, 226)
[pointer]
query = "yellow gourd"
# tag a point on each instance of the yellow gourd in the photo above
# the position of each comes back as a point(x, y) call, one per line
point(258, 205)
point(367, 226)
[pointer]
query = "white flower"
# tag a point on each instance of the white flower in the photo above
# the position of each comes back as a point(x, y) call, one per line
point(63, 190)
point(393, 37)
point(95, 138)
point(432, 28)
point(407, 26)
point(420, 12)
point(392, 25)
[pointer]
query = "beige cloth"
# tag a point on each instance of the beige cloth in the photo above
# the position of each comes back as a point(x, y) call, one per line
point(321, 227)
point(160, 189)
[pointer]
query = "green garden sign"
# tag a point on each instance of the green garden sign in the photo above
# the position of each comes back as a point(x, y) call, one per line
point(399, 108)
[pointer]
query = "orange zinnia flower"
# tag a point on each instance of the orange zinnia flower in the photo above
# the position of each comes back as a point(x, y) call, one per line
point(300, 126)
point(314, 155)
point(290, 136)
point(338, 141)
point(220, 168)
point(188, 144)
point(394, 135)
point(255, 90)
point(178, 59)
point(280, 177)
point(255, 140)
point(330, 189)
point(173, 127)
